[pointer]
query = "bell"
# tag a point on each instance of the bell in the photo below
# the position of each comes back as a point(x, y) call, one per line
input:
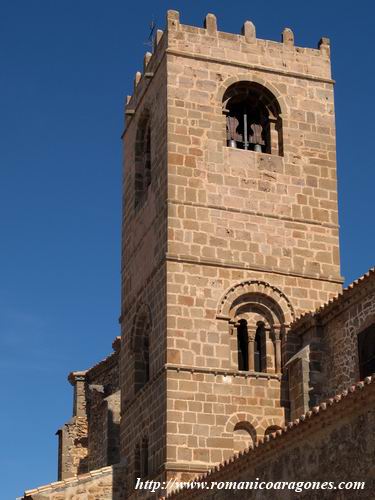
point(232, 124)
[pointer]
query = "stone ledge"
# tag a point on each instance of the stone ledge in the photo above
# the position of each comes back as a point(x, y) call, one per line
point(254, 212)
point(222, 371)
point(127, 404)
point(190, 467)
point(247, 66)
point(237, 265)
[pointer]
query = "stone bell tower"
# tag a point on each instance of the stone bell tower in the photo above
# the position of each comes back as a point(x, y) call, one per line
point(230, 231)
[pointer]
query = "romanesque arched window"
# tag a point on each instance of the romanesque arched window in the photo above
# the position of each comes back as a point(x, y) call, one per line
point(244, 435)
point(253, 118)
point(141, 347)
point(142, 178)
point(366, 352)
point(258, 316)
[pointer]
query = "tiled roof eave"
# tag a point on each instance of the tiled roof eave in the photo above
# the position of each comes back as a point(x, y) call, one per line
point(339, 301)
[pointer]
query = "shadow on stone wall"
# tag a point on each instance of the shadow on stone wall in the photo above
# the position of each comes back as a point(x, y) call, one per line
point(119, 482)
point(113, 440)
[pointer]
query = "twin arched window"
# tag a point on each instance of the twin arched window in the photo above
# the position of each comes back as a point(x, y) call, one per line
point(253, 118)
point(258, 315)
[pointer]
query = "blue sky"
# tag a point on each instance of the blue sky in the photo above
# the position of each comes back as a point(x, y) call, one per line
point(66, 67)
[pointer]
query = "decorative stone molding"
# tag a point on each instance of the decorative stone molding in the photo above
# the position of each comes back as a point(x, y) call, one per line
point(253, 79)
point(221, 372)
point(252, 290)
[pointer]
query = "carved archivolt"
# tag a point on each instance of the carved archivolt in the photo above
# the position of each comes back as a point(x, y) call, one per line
point(258, 298)
point(252, 79)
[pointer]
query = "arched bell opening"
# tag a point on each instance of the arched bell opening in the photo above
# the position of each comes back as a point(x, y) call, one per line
point(253, 118)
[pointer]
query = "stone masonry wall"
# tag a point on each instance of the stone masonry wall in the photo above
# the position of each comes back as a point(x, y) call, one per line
point(73, 453)
point(201, 343)
point(204, 407)
point(143, 413)
point(103, 484)
point(255, 210)
point(143, 269)
point(332, 443)
point(339, 338)
point(102, 385)
point(145, 417)
point(240, 216)
point(328, 345)
point(90, 440)
point(73, 444)
point(217, 218)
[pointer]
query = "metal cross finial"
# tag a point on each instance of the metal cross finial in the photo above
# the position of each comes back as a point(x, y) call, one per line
point(152, 27)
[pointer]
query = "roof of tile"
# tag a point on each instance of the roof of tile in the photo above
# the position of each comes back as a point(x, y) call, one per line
point(303, 419)
point(338, 299)
point(69, 482)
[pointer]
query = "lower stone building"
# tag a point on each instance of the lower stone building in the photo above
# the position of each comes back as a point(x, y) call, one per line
point(329, 438)
point(90, 440)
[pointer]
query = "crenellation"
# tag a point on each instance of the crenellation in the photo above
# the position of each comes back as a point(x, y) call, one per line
point(137, 79)
point(186, 38)
point(173, 20)
point(324, 45)
point(287, 38)
point(157, 38)
point(146, 61)
point(152, 62)
point(210, 24)
point(249, 32)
